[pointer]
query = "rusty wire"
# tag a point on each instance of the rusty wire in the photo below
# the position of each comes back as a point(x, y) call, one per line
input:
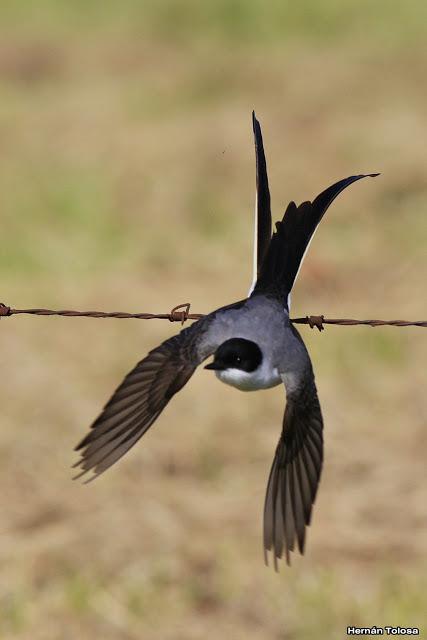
point(181, 313)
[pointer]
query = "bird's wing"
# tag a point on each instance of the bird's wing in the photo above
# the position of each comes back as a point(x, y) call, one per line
point(262, 226)
point(138, 401)
point(295, 473)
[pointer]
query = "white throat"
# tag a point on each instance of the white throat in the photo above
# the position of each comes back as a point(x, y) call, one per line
point(261, 378)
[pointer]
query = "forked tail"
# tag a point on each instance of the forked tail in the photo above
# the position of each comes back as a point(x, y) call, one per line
point(291, 239)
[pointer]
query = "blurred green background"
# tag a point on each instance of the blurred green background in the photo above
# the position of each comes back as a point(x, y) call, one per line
point(127, 182)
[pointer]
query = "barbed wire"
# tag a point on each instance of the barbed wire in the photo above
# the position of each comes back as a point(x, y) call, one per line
point(181, 313)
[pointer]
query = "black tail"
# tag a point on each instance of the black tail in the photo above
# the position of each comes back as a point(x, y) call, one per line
point(263, 212)
point(290, 240)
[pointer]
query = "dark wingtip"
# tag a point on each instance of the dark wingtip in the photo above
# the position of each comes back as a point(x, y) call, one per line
point(83, 442)
point(80, 474)
point(266, 557)
point(83, 473)
point(276, 558)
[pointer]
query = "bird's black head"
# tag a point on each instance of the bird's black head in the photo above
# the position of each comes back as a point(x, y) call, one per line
point(236, 353)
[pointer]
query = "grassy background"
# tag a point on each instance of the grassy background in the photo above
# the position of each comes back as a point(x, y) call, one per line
point(127, 182)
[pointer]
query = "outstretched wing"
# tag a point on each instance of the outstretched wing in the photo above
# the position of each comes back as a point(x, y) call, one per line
point(262, 226)
point(138, 401)
point(295, 473)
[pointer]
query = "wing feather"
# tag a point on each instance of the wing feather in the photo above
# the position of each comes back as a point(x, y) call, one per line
point(295, 473)
point(138, 401)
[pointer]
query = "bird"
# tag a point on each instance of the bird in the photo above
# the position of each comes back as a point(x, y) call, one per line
point(254, 346)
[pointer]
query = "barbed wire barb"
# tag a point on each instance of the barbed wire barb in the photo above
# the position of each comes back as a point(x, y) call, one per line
point(181, 313)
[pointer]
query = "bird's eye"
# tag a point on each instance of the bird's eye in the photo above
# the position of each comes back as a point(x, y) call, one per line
point(238, 359)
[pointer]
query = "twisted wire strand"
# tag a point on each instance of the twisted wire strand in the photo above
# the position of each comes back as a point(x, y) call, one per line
point(181, 313)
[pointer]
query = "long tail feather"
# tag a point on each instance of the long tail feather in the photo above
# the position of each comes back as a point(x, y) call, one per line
point(291, 239)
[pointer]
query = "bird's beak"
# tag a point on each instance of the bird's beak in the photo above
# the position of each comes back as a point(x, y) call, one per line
point(214, 366)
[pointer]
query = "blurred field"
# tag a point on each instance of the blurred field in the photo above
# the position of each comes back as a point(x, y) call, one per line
point(127, 182)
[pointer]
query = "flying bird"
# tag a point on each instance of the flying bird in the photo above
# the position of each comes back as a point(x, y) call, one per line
point(254, 346)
